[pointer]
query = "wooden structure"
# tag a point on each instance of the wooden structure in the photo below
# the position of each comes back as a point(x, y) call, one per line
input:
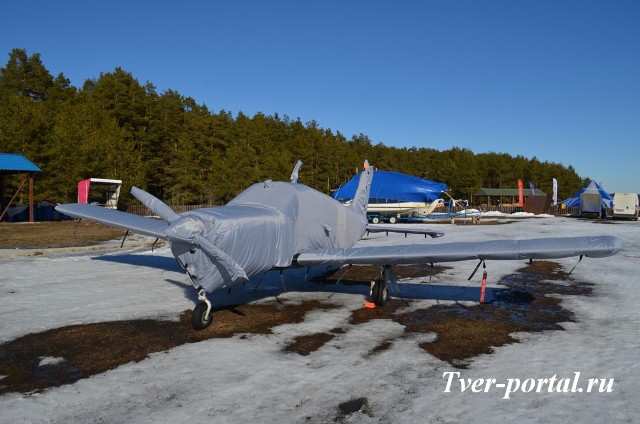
point(497, 196)
point(13, 163)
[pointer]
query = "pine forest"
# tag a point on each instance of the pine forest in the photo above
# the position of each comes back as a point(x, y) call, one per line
point(115, 127)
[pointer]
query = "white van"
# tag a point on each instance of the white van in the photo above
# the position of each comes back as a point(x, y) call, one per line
point(625, 206)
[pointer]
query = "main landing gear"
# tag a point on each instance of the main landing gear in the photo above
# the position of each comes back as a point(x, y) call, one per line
point(201, 316)
point(379, 286)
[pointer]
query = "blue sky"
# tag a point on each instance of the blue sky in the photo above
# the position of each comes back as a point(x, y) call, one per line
point(559, 80)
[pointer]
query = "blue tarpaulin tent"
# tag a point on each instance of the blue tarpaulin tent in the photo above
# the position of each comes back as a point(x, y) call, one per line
point(592, 189)
point(391, 185)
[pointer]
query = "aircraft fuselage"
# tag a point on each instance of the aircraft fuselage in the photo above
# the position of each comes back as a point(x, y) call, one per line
point(263, 228)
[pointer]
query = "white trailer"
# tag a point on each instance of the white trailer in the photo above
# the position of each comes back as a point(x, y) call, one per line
point(625, 206)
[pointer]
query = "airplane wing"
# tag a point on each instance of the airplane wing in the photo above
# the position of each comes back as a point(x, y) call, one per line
point(402, 230)
point(543, 248)
point(128, 221)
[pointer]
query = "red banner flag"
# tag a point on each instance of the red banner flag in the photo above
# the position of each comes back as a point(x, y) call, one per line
point(520, 194)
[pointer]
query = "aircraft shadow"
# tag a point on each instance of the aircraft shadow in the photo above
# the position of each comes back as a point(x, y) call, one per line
point(414, 291)
point(270, 284)
point(188, 290)
point(444, 292)
point(153, 261)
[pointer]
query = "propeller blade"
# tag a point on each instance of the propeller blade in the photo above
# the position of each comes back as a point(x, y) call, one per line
point(233, 269)
point(156, 205)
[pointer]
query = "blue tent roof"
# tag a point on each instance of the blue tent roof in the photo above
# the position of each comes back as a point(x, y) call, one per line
point(591, 187)
point(13, 162)
point(393, 185)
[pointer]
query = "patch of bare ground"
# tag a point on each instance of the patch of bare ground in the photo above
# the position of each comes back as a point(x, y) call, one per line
point(85, 350)
point(385, 345)
point(466, 332)
point(42, 235)
point(345, 409)
point(309, 343)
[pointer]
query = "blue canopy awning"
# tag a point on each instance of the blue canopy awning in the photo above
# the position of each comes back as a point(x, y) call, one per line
point(14, 163)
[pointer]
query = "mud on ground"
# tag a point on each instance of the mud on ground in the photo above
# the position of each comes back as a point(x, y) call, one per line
point(43, 235)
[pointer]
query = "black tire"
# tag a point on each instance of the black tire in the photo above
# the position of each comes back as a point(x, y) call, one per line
point(375, 220)
point(392, 220)
point(197, 317)
point(379, 292)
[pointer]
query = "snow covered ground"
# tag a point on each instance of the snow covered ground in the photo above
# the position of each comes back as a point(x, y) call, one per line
point(250, 378)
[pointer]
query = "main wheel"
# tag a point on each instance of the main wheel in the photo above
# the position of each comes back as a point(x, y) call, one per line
point(197, 317)
point(375, 220)
point(392, 220)
point(379, 292)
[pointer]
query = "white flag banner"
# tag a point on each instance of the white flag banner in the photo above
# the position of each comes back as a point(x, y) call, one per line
point(555, 192)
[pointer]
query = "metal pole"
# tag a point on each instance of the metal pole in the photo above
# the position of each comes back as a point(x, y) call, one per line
point(31, 200)
point(12, 199)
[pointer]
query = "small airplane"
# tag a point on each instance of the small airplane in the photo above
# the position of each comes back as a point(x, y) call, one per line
point(276, 225)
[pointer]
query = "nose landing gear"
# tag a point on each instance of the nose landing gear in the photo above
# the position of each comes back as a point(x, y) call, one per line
point(201, 316)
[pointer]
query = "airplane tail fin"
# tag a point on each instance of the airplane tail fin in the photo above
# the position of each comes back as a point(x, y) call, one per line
point(361, 198)
point(296, 170)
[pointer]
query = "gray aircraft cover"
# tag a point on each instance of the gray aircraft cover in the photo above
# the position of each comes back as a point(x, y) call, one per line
point(281, 224)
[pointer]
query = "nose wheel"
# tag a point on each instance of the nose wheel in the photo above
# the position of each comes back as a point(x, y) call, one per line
point(201, 316)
